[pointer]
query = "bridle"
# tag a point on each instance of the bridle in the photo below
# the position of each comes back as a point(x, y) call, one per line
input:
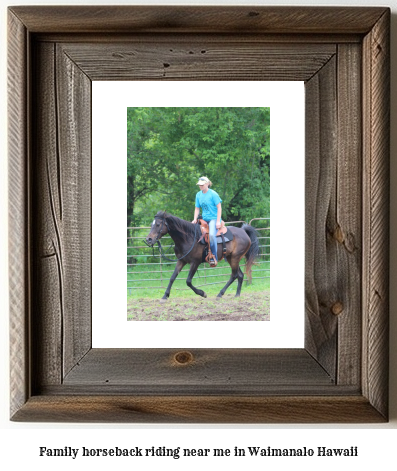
point(159, 235)
point(163, 222)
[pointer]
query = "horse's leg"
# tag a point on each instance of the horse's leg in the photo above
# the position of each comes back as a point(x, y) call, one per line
point(240, 279)
point(235, 268)
point(179, 265)
point(192, 271)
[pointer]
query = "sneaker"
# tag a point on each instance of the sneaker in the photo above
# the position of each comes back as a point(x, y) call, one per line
point(213, 263)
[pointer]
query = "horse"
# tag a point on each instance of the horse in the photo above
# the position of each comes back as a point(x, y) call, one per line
point(187, 250)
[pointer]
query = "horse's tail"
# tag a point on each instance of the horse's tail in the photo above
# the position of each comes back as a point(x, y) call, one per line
point(253, 251)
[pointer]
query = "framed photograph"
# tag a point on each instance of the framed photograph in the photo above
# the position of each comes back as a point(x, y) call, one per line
point(213, 105)
point(340, 374)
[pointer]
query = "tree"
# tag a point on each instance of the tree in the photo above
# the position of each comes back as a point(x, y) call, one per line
point(169, 148)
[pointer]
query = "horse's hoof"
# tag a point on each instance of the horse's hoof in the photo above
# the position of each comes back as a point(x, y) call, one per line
point(162, 300)
point(218, 298)
point(204, 295)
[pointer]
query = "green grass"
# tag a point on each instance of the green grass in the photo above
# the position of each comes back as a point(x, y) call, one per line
point(159, 278)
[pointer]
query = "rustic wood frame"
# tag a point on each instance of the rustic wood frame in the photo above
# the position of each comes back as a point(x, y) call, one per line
point(343, 56)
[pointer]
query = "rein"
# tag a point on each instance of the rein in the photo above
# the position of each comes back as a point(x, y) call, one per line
point(161, 251)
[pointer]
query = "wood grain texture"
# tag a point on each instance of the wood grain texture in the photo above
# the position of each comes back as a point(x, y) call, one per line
point(18, 213)
point(62, 208)
point(204, 60)
point(341, 376)
point(48, 249)
point(242, 38)
point(322, 287)
point(199, 409)
point(228, 370)
point(199, 19)
point(74, 124)
point(376, 92)
point(347, 226)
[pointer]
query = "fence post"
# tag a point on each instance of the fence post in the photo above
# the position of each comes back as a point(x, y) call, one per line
point(161, 271)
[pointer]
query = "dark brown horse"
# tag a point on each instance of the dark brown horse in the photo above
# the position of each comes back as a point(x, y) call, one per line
point(187, 249)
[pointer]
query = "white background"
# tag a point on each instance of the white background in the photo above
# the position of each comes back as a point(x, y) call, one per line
point(20, 442)
point(286, 102)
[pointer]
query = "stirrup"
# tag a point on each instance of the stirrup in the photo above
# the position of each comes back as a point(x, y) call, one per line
point(213, 263)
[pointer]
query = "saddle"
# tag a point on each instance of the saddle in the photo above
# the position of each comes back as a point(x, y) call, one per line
point(205, 230)
point(207, 254)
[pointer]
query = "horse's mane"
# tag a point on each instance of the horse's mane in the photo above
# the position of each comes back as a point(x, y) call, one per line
point(178, 225)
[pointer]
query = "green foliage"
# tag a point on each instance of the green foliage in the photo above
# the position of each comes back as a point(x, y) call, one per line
point(169, 148)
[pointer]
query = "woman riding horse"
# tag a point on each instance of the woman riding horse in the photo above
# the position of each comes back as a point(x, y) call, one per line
point(210, 202)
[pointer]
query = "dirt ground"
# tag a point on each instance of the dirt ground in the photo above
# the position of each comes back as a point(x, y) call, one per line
point(249, 307)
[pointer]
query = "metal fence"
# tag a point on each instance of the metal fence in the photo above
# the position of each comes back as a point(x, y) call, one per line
point(147, 270)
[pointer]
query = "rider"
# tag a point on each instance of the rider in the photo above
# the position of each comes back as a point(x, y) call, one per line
point(210, 202)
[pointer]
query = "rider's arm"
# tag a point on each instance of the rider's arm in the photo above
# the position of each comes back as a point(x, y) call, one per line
point(196, 213)
point(219, 215)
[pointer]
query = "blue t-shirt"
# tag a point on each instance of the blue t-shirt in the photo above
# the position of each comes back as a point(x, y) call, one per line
point(207, 202)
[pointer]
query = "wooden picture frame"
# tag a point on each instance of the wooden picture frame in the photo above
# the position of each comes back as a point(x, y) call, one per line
point(342, 54)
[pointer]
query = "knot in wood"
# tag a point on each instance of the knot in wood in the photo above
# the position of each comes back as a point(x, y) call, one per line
point(338, 235)
point(337, 308)
point(183, 358)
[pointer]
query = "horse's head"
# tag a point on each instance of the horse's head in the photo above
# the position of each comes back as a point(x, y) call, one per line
point(158, 228)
